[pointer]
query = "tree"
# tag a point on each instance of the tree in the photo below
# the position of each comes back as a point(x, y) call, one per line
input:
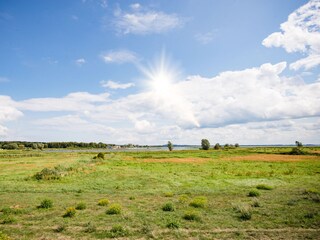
point(170, 146)
point(217, 146)
point(237, 145)
point(299, 144)
point(205, 144)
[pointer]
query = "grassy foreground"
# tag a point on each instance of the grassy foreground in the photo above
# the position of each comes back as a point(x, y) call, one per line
point(236, 194)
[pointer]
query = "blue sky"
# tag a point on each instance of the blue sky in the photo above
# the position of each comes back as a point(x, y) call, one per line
point(151, 71)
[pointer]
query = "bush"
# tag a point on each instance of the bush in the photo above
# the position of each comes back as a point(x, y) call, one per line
point(103, 202)
point(46, 203)
point(254, 193)
point(114, 209)
point(168, 207)
point(199, 202)
point(48, 174)
point(264, 187)
point(100, 155)
point(297, 151)
point(205, 144)
point(81, 206)
point(191, 216)
point(118, 231)
point(70, 212)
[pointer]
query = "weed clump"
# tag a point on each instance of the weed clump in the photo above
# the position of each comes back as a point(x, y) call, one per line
point(168, 194)
point(4, 236)
point(173, 224)
point(254, 193)
point(191, 216)
point(244, 211)
point(103, 202)
point(81, 206)
point(168, 207)
point(90, 228)
point(46, 204)
point(11, 210)
point(297, 151)
point(8, 220)
point(255, 203)
point(114, 209)
point(48, 174)
point(199, 202)
point(70, 212)
point(264, 187)
point(183, 198)
point(118, 231)
point(60, 228)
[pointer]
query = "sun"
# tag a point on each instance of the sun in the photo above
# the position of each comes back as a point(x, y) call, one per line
point(161, 76)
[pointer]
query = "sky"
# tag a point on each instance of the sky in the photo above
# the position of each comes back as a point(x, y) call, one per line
point(148, 72)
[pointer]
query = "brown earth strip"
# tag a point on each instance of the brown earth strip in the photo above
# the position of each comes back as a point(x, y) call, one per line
point(272, 158)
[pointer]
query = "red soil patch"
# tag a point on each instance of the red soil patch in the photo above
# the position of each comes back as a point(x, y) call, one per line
point(272, 158)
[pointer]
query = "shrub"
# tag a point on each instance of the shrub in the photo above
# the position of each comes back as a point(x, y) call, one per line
point(199, 202)
point(48, 174)
point(114, 209)
point(168, 194)
point(103, 202)
point(168, 207)
point(100, 155)
point(254, 193)
point(70, 212)
point(81, 206)
point(118, 231)
point(46, 203)
point(170, 146)
point(191, 216)
point(264, 187)
point(297, 151)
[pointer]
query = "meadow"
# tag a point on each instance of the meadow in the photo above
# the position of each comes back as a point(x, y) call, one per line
point(243, 193)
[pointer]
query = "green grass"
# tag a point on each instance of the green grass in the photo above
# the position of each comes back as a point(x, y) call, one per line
point(140, 183)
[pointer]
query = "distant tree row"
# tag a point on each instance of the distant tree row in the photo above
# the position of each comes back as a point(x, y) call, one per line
point(205, 145)
point(42, 145)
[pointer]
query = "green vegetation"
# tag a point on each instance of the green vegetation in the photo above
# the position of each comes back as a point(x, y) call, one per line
point(103, 202)
point(208, 191)
point(170, 146)
point(168, 207)
point(46, 203)
point(205, 144)
point(70, 212)
point(254, 193)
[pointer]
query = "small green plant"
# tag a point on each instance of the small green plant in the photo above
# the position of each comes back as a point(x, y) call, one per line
point(103, 202)
point(183, 198)
point(70, 212)
point(8, 220)
point(311, 191)
point(264, 187)
point(46, 204)
point(60, 228)
point(254, 193)
point(199, 202)
point(118, 231)
point(168, 207)
point(255, 202)
point(173, 224)
point(90, 228)
point(132, 198)
point(244, 211)
point(11, 210)
point(168, 194)
point(114, 209)
point(191, 216)
point(48, 174)
point(81, 206)
point(4, 236)
point(100, 155)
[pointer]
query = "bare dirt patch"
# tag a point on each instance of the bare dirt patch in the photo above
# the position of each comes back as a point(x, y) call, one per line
point(272, 158)
point(176, 160)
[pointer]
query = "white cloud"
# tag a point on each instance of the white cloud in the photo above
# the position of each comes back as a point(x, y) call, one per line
point(144, 21)
point(104, 3)
point(204, 38)
point(119, 56)
point(116, 85)
point(300, 33)
point(80, 61)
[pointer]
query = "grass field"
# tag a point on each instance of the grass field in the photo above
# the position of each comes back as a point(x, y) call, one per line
point(254, 193)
